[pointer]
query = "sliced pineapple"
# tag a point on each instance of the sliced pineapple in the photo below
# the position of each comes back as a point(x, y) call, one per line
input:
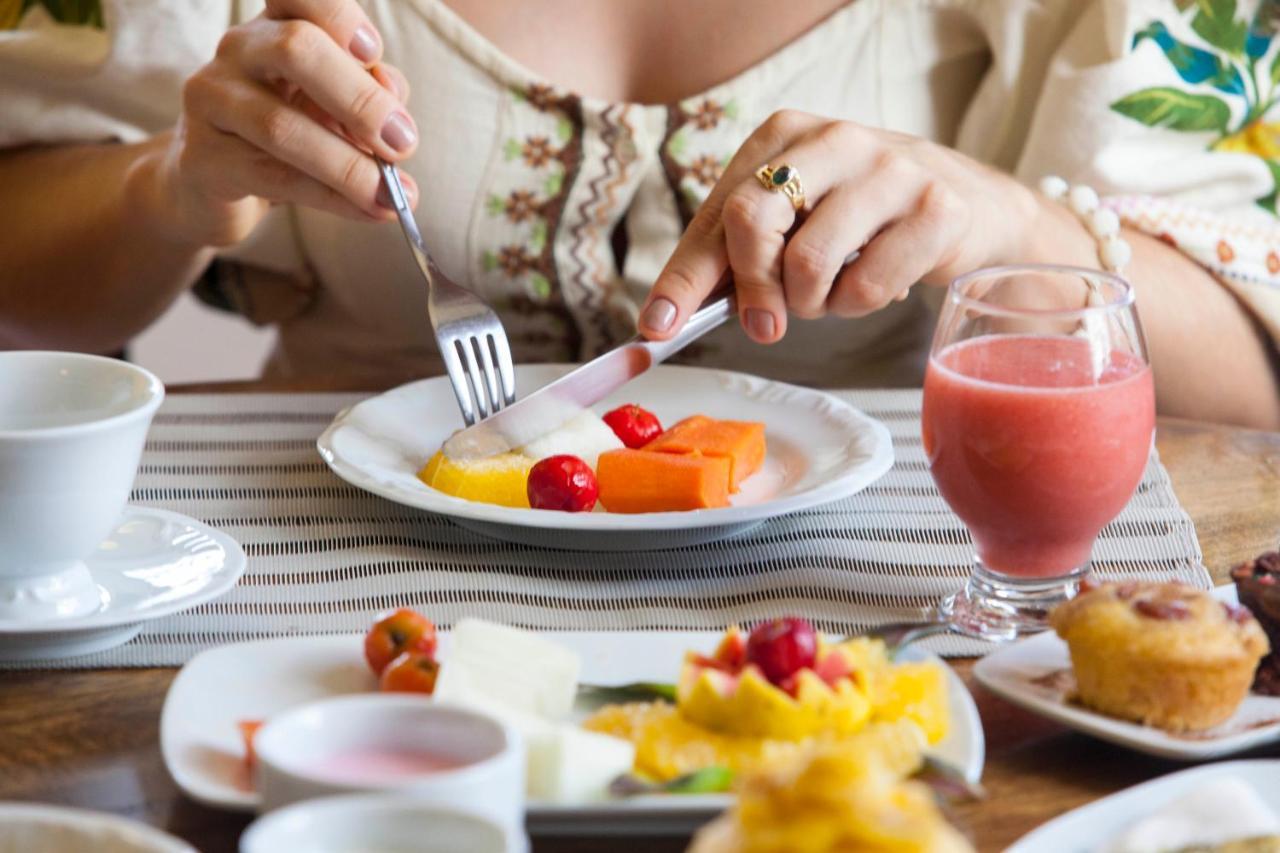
point(916, 691)
point(668, 745)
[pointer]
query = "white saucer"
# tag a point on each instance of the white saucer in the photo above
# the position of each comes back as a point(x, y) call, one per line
point(33, 826)
point(1034, 674)
point(1092, 826)
point(153, 564)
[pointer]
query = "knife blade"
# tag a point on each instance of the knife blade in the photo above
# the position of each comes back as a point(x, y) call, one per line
point(560, 401)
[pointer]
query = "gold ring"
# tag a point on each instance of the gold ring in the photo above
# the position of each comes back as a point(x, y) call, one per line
point(784, 179)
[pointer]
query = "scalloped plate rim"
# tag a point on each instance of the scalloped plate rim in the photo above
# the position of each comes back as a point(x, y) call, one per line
point(876, 448)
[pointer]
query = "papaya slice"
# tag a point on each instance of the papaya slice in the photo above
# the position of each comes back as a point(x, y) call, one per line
point(740, 442)
point(644, 481)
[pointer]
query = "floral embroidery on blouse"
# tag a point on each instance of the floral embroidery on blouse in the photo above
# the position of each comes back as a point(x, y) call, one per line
point(1236, 75)
point(702, 135)
point(533, 176)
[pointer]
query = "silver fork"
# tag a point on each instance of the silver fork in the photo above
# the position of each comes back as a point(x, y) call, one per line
point(470, 336)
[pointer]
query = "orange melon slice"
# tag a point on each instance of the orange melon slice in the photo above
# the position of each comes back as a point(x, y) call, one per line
point(643, 481)
point(740, 442)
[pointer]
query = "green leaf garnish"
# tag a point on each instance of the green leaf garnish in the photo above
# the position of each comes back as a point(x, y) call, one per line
point(636, 691)
point(708, 780)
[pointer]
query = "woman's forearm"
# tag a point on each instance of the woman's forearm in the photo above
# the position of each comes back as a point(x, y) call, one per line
point(87, 259)
point(1211, 359)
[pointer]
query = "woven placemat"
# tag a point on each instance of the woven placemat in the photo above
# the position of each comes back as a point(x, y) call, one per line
point(325, 557)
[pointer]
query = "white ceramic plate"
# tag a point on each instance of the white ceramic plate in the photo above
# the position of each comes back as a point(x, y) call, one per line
point(153, 564)
point(31, 827)
point(819, 449)
point(1085, 829)
point(1035, 674)
point(254, 680)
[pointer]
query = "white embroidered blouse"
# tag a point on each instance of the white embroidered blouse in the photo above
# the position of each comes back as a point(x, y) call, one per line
point(529, 189)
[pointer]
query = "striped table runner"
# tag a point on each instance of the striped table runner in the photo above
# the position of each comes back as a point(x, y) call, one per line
point(325, 557)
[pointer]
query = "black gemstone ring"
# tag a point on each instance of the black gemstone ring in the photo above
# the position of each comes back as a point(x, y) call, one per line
point(784, 179)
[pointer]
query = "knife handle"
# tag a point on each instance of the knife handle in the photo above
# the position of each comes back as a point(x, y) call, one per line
point(711, 315)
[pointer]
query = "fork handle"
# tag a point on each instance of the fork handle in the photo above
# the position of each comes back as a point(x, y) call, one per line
point(412, 236)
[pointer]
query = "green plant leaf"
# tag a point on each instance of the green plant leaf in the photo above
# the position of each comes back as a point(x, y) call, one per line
point(1215, 22)
point(1268, 202)
point(1193, 64)
point(1164, 106)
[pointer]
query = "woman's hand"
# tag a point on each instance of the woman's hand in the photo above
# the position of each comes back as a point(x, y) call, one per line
point(913, 210)
point(287, 112)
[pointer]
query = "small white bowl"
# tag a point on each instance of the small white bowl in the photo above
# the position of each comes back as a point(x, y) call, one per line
point(57, 829)
point(360, 823)
point(72, 428)
point(298, 750)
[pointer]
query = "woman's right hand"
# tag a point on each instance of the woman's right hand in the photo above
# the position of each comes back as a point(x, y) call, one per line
point(287, 112)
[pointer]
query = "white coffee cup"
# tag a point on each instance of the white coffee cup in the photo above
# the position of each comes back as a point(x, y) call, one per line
point(297, 752)
point(357, 823)
point(72, 428)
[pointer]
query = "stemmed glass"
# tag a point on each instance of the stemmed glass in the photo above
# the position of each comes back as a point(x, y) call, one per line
point(1039, 413)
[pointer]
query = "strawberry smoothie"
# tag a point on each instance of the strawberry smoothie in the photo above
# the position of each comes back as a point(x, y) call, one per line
point(1032, 452)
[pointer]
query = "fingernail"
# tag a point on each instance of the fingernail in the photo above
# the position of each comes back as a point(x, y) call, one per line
point(398, 132)
point(659, 316)
point(410, 188)
point(365, 44)
point(383, 198)
point(760, 324)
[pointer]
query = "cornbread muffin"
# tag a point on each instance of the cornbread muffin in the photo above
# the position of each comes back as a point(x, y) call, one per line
point(1162, 654)
point(1258, 587)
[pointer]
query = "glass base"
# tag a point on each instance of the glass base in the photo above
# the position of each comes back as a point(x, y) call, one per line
point(1000, 608)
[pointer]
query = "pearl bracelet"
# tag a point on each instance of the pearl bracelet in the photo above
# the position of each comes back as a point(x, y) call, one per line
point(1113, 252)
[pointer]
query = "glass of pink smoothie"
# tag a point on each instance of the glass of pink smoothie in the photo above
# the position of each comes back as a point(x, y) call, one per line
point(1039, 412)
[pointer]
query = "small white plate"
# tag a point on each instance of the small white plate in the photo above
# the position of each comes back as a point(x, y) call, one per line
point(245, 681)
point(1036, 674)
point(153, 564)
point(1085, 829)
point(52, 828)
point(819, 449)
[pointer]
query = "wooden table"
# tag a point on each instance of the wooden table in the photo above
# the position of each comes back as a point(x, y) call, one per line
point(91, 738)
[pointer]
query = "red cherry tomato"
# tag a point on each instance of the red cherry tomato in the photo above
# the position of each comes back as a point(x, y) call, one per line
point(634, 426)
point(564, 483)
point(395, 634)
point(782, 647)
point(412, 672)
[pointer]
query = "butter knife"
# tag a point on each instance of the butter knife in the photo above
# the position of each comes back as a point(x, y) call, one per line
point(559, 402)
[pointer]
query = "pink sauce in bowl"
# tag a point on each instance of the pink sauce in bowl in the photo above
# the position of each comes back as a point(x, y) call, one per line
point(371, 765)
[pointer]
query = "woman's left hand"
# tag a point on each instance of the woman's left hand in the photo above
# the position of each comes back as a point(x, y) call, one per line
point(913, 210)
